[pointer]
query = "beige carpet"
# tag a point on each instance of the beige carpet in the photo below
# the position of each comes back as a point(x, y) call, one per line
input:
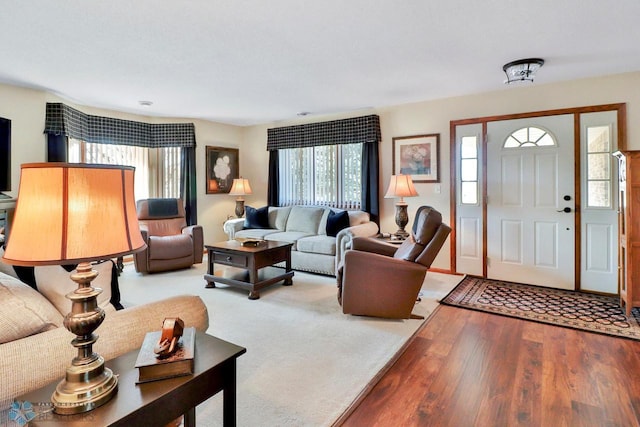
point(306, 362)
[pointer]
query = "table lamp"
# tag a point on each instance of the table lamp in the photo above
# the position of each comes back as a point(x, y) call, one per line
point(401, 186)
point(74, 214)
point(240, 187)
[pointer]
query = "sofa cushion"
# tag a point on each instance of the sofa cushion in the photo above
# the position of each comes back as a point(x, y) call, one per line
point(325, 245)
point(24, 311)
point(54, 282)
point(305, 219)
point(288, 236)
point(278, 217)
point(256, 218)
point(337, 221)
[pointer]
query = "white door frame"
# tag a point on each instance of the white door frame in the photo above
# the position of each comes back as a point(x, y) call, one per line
point(620, 109)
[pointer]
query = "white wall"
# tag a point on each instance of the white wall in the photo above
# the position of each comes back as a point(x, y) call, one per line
point(435, 116)
point(26, 109)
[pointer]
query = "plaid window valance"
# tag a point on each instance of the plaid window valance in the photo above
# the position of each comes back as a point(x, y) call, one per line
point(64, 120)
point(346, 131)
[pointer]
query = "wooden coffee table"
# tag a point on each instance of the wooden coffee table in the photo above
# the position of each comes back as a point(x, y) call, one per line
point(156, 403)
point(253, 265)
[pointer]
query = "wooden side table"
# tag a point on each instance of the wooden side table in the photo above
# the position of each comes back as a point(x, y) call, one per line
point(159, 402)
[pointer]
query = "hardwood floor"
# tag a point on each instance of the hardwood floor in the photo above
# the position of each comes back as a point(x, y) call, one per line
point(467, 368)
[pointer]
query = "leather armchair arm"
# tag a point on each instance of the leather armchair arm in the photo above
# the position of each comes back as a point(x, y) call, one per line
point(198, 241)
point(346, 236)
point(370, 244)
point(381, 286)
point(140, 258)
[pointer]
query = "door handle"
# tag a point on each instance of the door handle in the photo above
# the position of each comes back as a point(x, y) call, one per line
point(565, 210)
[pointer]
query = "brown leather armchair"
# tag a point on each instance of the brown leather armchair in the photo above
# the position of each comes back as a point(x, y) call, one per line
point(171, 244)
point(383, 280)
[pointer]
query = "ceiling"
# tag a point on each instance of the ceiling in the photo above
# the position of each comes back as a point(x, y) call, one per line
point(246, 62)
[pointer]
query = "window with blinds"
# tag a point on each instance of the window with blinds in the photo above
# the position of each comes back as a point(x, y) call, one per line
point(325, 175)
point(157, 169)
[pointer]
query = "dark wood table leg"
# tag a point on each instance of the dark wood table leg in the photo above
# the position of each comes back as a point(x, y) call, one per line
point(253, 278)
point(120, 264)
point(189, 419)
point(289, 281)
point(210, 270)
point(229, 396)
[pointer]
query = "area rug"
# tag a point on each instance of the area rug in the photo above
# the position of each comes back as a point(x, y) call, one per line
point(306, 361)
point(578, 310)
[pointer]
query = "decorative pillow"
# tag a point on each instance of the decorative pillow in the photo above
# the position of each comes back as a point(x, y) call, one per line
point(305, 219)
point(337, 221)
point(256, 218)
point(24, 311)
point(54, 282)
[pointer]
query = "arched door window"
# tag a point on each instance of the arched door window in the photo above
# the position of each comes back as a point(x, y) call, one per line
point(529, 137)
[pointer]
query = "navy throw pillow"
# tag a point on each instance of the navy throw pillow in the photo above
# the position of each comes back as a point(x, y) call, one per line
point(337, 221)
point(256, 218)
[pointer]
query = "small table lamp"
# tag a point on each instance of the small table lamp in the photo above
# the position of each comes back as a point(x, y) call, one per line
point(76, 213)
point(401, 186)
point(240, 187)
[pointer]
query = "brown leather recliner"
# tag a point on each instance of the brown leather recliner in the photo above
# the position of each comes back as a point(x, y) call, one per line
point(383, 280)
point(171, 244)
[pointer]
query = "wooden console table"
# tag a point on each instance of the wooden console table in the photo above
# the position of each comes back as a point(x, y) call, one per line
point(254, 265)
point(159, 402)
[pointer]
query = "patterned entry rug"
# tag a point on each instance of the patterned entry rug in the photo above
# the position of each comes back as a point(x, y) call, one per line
point(578, 310)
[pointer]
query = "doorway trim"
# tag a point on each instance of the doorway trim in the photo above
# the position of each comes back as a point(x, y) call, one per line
point(620, 108)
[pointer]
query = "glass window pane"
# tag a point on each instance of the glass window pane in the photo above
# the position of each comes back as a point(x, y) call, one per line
point(529, 137)
point(598, 140)
point(598, 166)
point(469, 147)
point(511, 142)
point(546, 140)
point(469, 170)
point(535, 134)
point(521, 135)
point(328, 175)
point(598, 194)
point(470, 193)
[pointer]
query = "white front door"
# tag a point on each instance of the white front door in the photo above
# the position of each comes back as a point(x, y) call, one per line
point(530, 201)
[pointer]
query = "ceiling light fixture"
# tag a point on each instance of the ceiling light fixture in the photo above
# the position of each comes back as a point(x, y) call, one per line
point(522, 69)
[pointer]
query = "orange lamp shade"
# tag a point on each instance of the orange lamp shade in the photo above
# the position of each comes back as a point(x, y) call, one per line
point(71, 213)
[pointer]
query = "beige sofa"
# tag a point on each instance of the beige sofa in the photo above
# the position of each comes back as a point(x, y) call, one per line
point(306, 227)
point(35, 348)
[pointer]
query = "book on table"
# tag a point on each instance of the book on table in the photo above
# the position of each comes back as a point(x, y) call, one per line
point(152, 368)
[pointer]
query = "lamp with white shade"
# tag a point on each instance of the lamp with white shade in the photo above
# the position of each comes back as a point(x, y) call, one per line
point(240, 188)
point(401, 186)
point(74, 214)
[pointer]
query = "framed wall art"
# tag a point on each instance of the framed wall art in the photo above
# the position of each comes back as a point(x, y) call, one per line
point(222, 169)
point(418, 156)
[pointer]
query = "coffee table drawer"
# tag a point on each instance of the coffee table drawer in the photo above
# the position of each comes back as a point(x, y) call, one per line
point(230, 259)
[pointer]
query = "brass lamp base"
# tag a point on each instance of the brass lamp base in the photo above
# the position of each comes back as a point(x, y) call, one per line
point(87, 384)
point(402, 219)
point(84, 388)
